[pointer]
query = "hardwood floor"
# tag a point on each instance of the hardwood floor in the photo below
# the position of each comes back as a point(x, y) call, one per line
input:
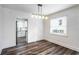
point(21, 41)
point(42, 47)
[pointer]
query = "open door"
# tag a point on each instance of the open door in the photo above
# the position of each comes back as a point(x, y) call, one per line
point(21, 32)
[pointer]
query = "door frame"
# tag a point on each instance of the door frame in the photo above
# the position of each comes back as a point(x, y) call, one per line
point(25, 34)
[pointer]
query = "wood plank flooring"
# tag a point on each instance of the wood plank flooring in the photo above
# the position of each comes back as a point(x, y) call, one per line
point(21, 41)
point(42, 47)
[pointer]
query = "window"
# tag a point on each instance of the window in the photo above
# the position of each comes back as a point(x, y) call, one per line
point(58, 26)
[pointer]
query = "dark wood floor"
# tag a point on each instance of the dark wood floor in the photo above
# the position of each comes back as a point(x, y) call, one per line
point(21, 41)
point(42, 47)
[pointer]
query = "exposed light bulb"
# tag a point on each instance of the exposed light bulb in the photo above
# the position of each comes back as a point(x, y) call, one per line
point(32, 16)
point(39, 17)
point(46, 17)
point(43, 17)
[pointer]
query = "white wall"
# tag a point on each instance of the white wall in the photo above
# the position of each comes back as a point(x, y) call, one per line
point(35, 30)
point(72, 39)
point(1, 14)
point(8, 38)
point(9, 26)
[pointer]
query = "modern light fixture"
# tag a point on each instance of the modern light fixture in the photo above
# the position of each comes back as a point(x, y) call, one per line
point(39, 14)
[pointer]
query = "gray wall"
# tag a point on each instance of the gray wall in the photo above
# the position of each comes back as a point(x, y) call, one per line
point(72, 39)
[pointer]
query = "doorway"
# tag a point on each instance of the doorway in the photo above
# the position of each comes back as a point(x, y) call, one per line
point(21, 32)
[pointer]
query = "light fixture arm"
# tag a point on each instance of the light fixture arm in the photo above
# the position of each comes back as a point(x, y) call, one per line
point(39, 9)
point(39, 14)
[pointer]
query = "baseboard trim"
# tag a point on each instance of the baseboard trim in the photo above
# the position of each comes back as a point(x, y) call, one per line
point(64, 45)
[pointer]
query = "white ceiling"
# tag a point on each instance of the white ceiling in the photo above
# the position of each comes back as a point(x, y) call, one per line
point(32, 8)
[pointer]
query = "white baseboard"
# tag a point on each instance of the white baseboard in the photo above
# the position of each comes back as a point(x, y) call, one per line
point(34, 41)
point(64, 45)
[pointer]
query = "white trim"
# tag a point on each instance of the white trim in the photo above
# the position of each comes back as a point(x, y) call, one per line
point(64, 45)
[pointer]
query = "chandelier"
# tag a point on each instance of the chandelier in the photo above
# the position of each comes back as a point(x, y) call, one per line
point(39, 14)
